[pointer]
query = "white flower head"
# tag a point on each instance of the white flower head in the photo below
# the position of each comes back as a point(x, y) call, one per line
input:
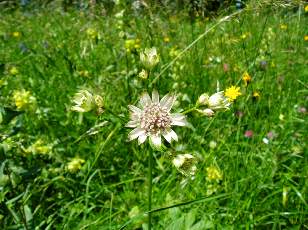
point(218, 101)
point(86, 101)
point(83, 100)
point(154, 119)
point(203, 99)
point(149, 57)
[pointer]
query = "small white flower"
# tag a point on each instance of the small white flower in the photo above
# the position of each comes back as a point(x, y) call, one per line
point(265, 140)
point(206, 112)
point(149, 57)
point(218, 101)
point(203, 99)
point(84, 101)
point(154, 119)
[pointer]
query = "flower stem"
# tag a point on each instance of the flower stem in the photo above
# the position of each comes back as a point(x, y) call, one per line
point(189, 110)
point(150, 190)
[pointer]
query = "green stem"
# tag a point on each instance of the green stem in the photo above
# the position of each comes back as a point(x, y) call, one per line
point(189, 110)
point(150, 190)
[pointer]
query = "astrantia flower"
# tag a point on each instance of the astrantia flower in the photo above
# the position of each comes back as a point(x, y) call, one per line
point(149, 58)
point(232, 93)
point(154, 119)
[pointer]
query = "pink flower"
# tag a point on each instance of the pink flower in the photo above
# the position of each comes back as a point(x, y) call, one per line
point(248, 134)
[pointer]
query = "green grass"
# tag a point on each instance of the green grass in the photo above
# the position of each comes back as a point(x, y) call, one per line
point(110, 189)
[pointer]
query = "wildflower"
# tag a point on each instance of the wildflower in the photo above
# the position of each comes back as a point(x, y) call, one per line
point(166, 39)
point(132, 45)
point(218, 101)
point(232, 93)
point(206, 112)
point(302, 110)
point(213, 144)
point(39, 147)
point(246, 78)
point(149, 58)
point(16, 34)
point(248, 134)
point(213, 173)
point(24, 100)
point(92, 33)
point(265, 140)
point(83, 73)
point(13, 71)
point(263, 65)
point(245, 35)
point(143, 74)
point(226, 67)
point(85, 102)
point(256, 95)
point(281, 117)
point(306, 8)
point(185, 163)
point(75, 164)
point(283, 26)
point(306, 38)
point(154, 119)
point(239, 114)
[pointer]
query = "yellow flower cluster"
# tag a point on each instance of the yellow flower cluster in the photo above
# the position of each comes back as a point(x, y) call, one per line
point(75, 164)
point(213, 173)
point(132, 45)
point(13, 71)
point(23, 100)
point(39, 147)
point(92, 33)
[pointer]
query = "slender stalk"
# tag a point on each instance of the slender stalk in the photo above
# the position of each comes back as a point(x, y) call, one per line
point(150, 190)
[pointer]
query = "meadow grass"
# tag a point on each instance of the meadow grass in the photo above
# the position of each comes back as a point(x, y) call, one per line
point(54, 54)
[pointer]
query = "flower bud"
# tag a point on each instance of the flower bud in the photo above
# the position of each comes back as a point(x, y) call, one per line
point(149, 58)
point(203, 99)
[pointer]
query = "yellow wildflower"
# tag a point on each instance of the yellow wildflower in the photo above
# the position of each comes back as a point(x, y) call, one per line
point(232, 93)
point(306, 38)
point(132, 45)
point(39, 147)
point(24, 100)
point(246, 78)
point(213, 173)
point(13, 70)
point(306, 8)
point(92, 33)
point(245, 35)
point(166, 39)
point(75, 164)
point(256, 95)
point(283, 26)
point(16, 34)
point(83, 73)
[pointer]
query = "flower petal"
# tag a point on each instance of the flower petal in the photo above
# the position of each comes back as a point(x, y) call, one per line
point(137, 132)
point(156, 140)
point(132, 124)
point(142, 139)
point(134, 109)
point(170, 135)
point(145, 100)
point(155, 96)
point(167, 101)
point(178, 119)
